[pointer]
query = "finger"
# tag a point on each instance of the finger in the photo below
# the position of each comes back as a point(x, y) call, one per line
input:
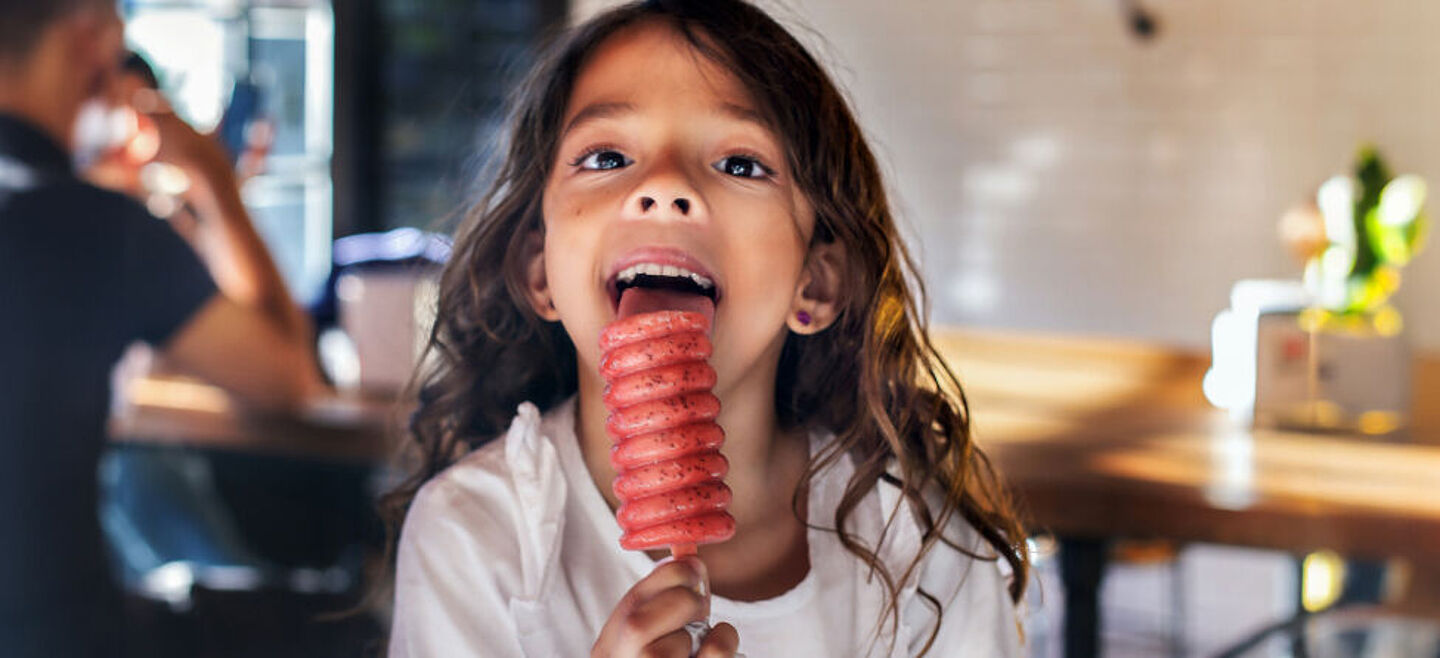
point(688, 572)
point(625, 629)
point(144, 146)
point(149, 101)
point(722, 642)
point(672, 608)
point(675, 644)
point(662, 614)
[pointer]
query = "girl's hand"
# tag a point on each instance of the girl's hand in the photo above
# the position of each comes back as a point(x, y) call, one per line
point(650, 619)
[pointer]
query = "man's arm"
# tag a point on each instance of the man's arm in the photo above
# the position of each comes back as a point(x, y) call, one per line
point(251, 339)
point(226, 238)
point(237, 349)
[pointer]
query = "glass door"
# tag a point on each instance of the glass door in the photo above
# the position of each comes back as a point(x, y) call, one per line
point(269, 63)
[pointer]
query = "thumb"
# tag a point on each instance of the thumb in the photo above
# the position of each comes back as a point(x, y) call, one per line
point(150, 101)
point(145, 144)
point(721, 642)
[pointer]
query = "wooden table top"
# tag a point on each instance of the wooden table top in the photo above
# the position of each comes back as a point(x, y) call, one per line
point(174, 410)
point(1115, 439)
point(1100, 439)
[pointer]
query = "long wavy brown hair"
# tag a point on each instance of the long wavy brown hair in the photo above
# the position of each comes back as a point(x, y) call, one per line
point(873, 378)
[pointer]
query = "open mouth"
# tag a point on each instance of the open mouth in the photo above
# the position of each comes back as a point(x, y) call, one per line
point(664, 277)
point(655, 279)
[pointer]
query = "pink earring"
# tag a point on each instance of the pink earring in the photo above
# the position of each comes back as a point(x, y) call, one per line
point(803, 317)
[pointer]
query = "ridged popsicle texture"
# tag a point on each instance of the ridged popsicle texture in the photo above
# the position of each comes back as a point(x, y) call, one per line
point(662, 419)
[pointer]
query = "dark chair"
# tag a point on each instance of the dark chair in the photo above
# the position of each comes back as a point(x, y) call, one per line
point(1353, 631)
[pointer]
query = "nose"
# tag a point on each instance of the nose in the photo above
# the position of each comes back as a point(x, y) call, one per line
point(667, 192)
point(680, 203)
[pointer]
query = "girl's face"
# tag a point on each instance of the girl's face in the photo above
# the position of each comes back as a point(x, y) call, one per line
point(663, 159)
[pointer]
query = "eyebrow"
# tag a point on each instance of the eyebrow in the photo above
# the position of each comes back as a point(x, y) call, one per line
point(744, 114)
point(595, 111)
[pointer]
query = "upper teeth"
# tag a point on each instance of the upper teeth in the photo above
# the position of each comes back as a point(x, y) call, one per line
point(628, 274)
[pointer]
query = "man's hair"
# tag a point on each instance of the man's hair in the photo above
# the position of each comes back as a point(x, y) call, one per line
point(23, 21)
point(136, 64)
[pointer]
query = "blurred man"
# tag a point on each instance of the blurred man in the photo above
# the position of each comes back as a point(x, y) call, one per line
point(82, 273)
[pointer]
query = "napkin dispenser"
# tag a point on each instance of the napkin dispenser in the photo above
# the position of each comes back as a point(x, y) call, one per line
point(383, 300)
point(387, 316)
point(1269, 370)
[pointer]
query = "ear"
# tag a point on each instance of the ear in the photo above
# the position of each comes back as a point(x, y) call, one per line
point(818, 295)
point(537, 286)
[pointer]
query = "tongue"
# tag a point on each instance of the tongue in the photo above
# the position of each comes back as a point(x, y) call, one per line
point(647, 300)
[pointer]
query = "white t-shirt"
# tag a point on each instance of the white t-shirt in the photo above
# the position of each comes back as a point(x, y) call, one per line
point(512, 551)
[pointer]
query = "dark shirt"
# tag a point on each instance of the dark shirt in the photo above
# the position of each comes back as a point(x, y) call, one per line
point(83, 272)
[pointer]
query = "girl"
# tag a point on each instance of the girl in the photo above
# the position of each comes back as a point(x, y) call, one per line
point(699, 136)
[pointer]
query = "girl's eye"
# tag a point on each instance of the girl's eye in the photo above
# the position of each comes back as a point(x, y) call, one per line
point(602, 159)
point(743, 167)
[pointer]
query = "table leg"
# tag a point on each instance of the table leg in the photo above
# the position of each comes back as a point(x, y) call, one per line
point(1082, 567)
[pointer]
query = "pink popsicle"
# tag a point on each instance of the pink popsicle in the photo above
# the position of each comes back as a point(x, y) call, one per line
point(662, 419)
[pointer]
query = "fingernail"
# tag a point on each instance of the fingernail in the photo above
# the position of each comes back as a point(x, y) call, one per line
point(703, 587)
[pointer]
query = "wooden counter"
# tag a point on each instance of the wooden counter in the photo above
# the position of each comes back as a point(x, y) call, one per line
point(172, 410)
point(1105, 440)
point(1100, 439)
point(1112, 439)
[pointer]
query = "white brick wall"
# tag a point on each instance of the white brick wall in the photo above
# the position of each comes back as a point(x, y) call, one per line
point(1066, 177)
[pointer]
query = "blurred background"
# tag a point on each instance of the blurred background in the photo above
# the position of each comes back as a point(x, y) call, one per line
point(1089, 186)
point(1062, 171)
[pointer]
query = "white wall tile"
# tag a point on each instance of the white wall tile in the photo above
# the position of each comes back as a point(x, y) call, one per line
point(1036, 144)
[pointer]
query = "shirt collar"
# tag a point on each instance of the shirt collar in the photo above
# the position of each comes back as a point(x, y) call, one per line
point(22, 141)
